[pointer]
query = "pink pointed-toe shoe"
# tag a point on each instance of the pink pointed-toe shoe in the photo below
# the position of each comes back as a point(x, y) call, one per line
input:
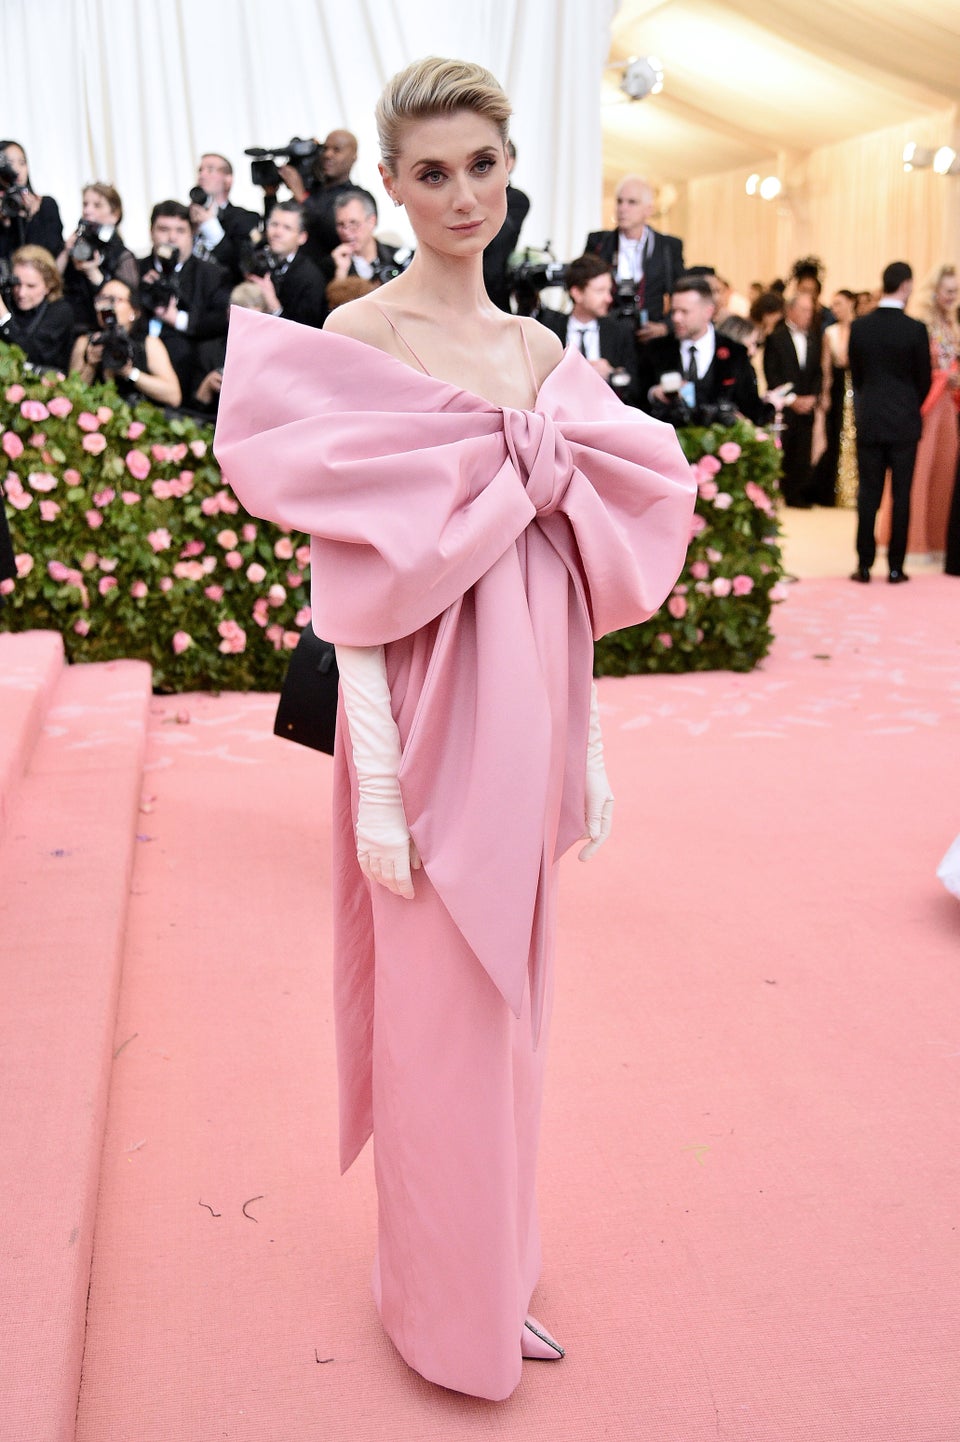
point(536, 1343)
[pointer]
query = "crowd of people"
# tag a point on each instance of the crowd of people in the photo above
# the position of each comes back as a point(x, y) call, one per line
point(671, 338)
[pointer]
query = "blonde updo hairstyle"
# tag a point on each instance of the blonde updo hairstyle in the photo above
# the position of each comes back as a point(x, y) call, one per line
point(437, 87)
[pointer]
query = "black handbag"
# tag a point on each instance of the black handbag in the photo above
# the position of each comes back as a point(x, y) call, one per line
point(307, 712)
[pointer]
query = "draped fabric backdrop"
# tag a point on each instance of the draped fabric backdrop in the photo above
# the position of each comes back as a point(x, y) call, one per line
point(133, 91)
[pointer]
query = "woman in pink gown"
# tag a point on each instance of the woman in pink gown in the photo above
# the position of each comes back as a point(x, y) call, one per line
point(481, 506)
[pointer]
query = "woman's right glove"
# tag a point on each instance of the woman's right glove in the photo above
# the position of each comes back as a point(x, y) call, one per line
point(385, 849)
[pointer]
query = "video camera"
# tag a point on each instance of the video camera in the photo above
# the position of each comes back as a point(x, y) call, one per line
point(302, 154)
point(12, 195)
point(156, 294)
point(115, 340)
point(531, 271)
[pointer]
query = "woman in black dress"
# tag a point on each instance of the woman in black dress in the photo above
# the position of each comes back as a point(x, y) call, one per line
point(37, 319)
point(36, 220)
point(100, 255)
point(120, 350)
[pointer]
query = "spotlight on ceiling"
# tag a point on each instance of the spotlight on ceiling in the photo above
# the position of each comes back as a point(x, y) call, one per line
point(753, 183)
point(770, 188)
point(945, 161)
point(642, 76)
point(917, 157)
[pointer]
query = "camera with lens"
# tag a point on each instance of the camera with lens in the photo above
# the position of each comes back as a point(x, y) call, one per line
point(91, 238)
point(115, 340)
point(198, 196)
point(259, 259)
point(531, 271)
point(625, 306)
point(8, 284)
point(384, 270)
point(156, 294)
point(303, 155)
point(12, 195)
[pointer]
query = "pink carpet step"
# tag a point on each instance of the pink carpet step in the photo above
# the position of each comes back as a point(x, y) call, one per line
point(30, 666)
point(65, 864)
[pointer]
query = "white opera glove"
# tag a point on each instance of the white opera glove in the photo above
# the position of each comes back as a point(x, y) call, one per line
point(598, 809)
point(385, 849)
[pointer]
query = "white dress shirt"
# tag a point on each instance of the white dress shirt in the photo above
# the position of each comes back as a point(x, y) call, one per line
point(591, 337)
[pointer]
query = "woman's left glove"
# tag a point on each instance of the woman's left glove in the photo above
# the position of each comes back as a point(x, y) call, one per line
point(598, 810)
point(385, 849)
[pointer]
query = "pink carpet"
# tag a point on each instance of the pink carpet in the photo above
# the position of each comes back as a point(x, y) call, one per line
point(750, 1170)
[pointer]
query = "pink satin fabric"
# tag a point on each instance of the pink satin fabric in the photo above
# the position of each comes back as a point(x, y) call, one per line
point(485, 548)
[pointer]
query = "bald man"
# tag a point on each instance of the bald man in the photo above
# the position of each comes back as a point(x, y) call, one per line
point(642, 258)
point(332, 166)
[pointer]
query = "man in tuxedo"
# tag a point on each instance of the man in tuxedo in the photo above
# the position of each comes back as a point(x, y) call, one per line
point(716, 371)
point(497, 254)
point(221, 229)
point(293, 287)
point(644, 261)
point(890, 372)
point(607, 343)
point(186, 298)
point(791, 358)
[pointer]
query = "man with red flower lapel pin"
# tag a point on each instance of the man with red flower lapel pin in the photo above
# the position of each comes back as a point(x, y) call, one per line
point(696, 374)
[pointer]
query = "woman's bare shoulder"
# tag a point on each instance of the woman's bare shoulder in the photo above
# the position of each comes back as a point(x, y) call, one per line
point(362, 320)
point(544, 345)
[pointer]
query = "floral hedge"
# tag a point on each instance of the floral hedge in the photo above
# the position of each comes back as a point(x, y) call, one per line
point(129, 543)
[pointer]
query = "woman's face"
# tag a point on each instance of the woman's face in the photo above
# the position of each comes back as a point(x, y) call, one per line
point(842, 308)
point(946, 295)
point(98, 209)
point(452, 178)
point(30, 284)
point(18, 160)
point(116, 295)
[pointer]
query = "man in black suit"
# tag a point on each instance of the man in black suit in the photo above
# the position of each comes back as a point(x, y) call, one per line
point(645, 262)
point(890, 372)
point(715, 371)
point(221, 229)
point(294, 287)
point(791, 359)
point(359, 253)
point(504, 243)
point(186, 298)
point(607, 343)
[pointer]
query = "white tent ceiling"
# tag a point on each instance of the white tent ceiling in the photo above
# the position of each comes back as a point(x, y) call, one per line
point(745, 80)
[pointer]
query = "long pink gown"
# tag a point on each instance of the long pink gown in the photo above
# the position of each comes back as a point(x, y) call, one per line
point(485, 548)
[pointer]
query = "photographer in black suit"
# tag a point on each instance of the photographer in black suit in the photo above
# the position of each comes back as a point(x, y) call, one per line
point(497, 255)
point(293, 286)
point(184, 299)
point(791, 358)
point(890, 371)
point(221, 229)
point(645, 262)
point(696, 371)
point(607, 343)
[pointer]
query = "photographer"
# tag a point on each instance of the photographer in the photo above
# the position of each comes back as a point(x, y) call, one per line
point(33, 313)
point(206, 398)
point(333, 166)
point(360, 262)
point(95, 252)
point(185, 299)
point(646, 262)
point(606, 342)
point(695, 375)
point(25, 217)
point(221, 230)
point(291, 284)
point(122, 351)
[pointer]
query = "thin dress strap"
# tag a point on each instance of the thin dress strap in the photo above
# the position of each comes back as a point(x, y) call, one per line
point(526, 350)
point(401, 338)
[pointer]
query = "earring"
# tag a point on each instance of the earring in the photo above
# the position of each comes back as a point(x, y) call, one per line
point(397, 202)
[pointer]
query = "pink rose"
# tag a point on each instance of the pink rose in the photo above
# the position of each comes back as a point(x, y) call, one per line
point(198, 449)
point(106, 583)
point(130, 498)
point(21, 500)
point(57, 571)
point(34, 411)
point(294, 579)
point(699, 570)
point(759, 497)
point(707, 488)
point(677, 606)
point(760, 436)
point(228, 505)
point(228, 540)
point(697, 524)
point(189, 571)
point(138, 465)
point(714, 556)
point(722, 586)
point(290, 639)
point(703, 588)
point(49, 510)
point(779, 592)
point(24, 565)
point(160, 539)
point(103, 498)
point(159, 453)
point(209, 564)
point(38, 440)
point(95, 444)
point(94, 520)
point(742, 585)
point(665, 639)
point(249, 532)
point(276, 595)
point(88, 560)
point(192, 548)
point(256, 573)
point(7, 586)
point(729, 452)
point(234, 638)
point(283, 550)
point(138, 590)
point(302, 616)
point(87, 422)
point(104, 414)
point(213, 593)
point(724, 501)
point(234, 560)
point(260, 611)
point(162, 489)
point(15, 394)
point(42, 481)
point(166, 584)
point(134, 430)
point(108, 563)
point(59, 406)
point(709, 465)
point(181, 641)
point(210, 506)
point(82, 626)
point(303, 557)
point(12, 445)
point(274, 635)
point(72, 477)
